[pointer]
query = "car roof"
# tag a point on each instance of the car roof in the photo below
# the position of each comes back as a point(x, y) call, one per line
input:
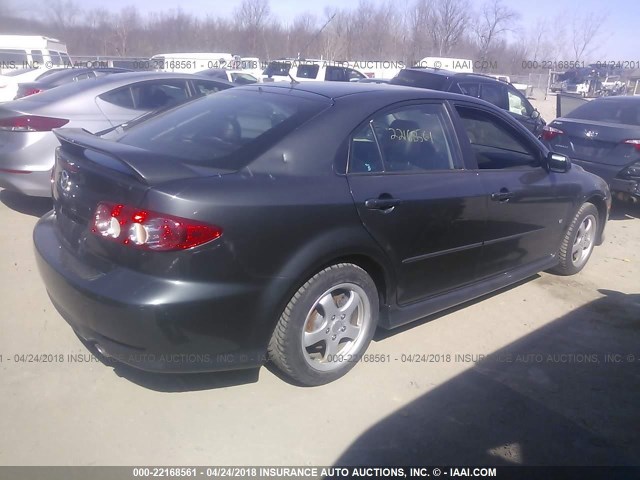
point(335, 90)
point(451, 73)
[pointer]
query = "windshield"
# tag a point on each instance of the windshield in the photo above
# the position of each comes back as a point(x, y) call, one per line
point(226, 130)
point(609, 111)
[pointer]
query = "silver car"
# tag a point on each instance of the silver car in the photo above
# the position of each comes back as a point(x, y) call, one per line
point(27, 143)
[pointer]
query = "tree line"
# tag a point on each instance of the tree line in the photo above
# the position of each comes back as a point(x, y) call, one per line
point(383, 30)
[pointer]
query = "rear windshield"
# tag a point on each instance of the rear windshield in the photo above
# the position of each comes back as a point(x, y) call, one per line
point(609, 111)
point(225, 130)
point(414, 78)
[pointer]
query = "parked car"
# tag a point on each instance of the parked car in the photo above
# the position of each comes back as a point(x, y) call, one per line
point(27, 143)
point(238, 77)
point(501, 94)
point(603, 137)
point(63, 77)
point(31, 51)
point(289, 221)
point(310, 70)
point(10, 81)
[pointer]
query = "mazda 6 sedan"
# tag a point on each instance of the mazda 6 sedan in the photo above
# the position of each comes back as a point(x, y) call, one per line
point(287, 222)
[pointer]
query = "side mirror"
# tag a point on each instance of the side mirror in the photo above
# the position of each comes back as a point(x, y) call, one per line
point(535, 114)
point(557, 162)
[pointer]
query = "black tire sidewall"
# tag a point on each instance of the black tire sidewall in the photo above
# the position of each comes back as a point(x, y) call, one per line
point(342, 273)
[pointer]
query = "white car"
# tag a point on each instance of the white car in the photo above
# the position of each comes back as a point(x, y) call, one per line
point(9, 81)
point(31, 51)
point(310, 70)
point(238, 77)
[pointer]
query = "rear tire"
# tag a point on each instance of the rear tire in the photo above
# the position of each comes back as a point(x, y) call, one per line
point(326, 326)
point(577, 244)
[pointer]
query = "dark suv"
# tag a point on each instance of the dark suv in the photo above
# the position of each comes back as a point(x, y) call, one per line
point(501, 94)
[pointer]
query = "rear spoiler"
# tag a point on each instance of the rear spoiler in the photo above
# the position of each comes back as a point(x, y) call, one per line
point(148, 167)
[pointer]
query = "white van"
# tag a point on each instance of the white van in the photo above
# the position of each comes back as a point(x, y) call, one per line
point(191, 62)
point(31, 51)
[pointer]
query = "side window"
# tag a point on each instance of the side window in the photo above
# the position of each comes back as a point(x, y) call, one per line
point(495, 143)
point(495, 93)
point(153, 95)
point(364, 154)
point(83, 76)
point(55, 58)
point(354, 74)
point(470, 88)
point(36, 56)
point(413, 138)
point(518, 104)
point(335, 74)
point(120, 97)
point(13, 57)
point(307, 71)
point(202, 87)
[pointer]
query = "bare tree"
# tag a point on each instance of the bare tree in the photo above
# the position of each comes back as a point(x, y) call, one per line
point(62, 13)
point(585, 30)
point(494, 20)
point(420, 20)
point(251, 17)
point(127, 22)
point(449, 19)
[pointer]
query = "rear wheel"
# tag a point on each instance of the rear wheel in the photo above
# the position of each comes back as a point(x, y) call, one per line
point(579, 241)
point(327, 325)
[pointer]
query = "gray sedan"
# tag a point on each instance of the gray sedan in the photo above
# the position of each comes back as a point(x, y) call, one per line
point(27, 143)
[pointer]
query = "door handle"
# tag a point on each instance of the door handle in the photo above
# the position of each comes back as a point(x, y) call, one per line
point(381, 203)
point(502, 196)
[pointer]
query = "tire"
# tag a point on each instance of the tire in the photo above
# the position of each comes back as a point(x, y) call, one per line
point(577, 244)
point(326, 326)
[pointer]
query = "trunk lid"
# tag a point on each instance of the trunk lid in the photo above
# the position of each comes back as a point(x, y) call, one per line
point(89, 169)
point(596, 142)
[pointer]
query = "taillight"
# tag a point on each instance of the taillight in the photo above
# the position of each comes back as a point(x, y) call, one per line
point(632, 171)
point(549, 133)
point(26, 92)
point(31, 123)
point(635, 143)
point(150, 230)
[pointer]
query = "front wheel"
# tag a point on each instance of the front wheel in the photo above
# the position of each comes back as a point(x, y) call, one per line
point(579, 241)
point(326, 326)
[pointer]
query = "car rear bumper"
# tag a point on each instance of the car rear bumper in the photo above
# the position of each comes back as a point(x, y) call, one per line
point(36, 184)
point(151, 323)
point(619, 185)
point(26, 160)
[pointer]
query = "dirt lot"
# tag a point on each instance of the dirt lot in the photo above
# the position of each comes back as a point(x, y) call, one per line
point(545, 372)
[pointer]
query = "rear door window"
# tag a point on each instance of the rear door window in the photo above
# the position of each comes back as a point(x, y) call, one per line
point(307, 71)
point(518, 104)
point(412, 138)
point(335, 74)
point(469, 88)
point(495, 93)
point(159, 94)
point(354, 74)
point(205, 87)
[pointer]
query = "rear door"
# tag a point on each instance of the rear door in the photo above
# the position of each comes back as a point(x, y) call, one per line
point(415, 198)
point(527, 205)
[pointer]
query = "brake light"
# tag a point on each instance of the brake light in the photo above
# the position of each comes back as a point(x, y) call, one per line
point(27, 91)
point(549, 133)
point(150, 230)
point(635, 143)
point(31, 123)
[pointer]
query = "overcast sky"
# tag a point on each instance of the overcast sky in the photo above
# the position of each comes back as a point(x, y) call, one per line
point(620, 42)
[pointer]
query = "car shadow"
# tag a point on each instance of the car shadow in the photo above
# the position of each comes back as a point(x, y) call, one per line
point(34, 206)
point(566, 394)
point(624, 211)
